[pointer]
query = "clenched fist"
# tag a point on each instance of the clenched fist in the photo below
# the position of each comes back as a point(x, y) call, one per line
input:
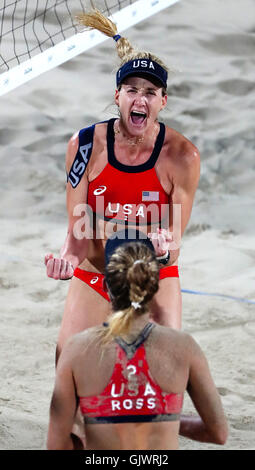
point(58, 268)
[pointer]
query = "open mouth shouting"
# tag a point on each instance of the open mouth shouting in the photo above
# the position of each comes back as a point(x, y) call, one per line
point(138, 117)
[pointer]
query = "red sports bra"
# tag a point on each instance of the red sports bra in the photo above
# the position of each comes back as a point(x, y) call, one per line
point(126, 193)
point(131, 394)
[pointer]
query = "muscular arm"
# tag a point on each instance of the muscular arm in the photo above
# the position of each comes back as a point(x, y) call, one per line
point(183, 171)
point(185, 182)
point(75, 246)
point(74, 250)
point(63, 406)
point(211, 424)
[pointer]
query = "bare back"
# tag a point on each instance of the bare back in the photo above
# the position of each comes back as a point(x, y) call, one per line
point(171, 375)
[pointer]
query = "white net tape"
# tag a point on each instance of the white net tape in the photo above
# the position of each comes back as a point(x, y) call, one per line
point(38, 35)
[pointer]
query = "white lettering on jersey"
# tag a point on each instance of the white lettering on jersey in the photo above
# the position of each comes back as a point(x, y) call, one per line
point(77, 171)
point(139, 403)
point(151, 403)
point(135, 404)
point(127, 404)
point(140, 211)
point(132, 370)
point(133, 386)
point(117, 208)
point(113, 390)
point(127, 209)
point(84, 151)
point(79, 167)
point(115, 405)
point(75, 180)
point(149, 390)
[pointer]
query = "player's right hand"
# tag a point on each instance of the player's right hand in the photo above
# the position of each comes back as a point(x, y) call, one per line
point(58, 268)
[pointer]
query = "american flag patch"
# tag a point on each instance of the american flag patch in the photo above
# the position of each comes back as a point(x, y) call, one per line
point(150, 196)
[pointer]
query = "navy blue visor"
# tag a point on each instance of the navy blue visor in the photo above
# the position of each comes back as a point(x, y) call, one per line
point(147, 67)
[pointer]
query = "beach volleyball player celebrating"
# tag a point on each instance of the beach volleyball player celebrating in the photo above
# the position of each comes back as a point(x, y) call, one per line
point(132, 170)
point(134, 400)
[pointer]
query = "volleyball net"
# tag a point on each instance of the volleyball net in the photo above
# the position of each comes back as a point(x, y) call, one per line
point(38, 35)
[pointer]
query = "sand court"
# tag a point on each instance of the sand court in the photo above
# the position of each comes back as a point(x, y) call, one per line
point(210, 46)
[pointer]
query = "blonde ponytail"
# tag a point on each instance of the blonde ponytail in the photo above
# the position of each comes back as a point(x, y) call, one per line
point(132, 276)
point(118, 324)
point(96, 20)
point(126, 52)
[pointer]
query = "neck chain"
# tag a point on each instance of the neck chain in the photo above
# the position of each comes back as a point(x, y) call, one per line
point(131, 140)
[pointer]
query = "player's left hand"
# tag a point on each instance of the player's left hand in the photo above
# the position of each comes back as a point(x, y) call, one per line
point(161, 240)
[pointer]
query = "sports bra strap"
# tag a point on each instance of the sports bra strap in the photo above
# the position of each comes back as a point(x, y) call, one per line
point(148, 165)
point(131, 348)
point(83, 154)
point(82, 157)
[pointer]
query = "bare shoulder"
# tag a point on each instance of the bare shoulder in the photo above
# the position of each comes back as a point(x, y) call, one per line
point(180, 149)
point(72, 148)
point(85, 337)
point(182, 343)
point(100, 136)
point(80, 343)
point(100, 129)
point(73, 143)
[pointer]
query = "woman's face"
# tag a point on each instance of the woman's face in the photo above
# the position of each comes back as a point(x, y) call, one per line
point(139, 102)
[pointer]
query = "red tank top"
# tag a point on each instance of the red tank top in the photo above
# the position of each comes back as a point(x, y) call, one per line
point(129, 193)
point(131, 394)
